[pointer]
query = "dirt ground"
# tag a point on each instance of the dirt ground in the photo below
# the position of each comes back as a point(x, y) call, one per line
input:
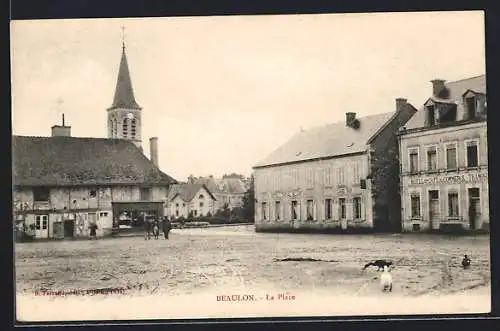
point(217, 259)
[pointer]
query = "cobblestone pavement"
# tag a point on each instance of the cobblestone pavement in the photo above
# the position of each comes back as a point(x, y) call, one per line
point(197, 260)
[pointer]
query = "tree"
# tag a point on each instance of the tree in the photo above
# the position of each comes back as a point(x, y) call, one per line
point(249, 202)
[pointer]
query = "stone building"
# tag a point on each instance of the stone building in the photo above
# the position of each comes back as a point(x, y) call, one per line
point(228, 191)
point(61, 183)
point(444, 159)
point(188, 199)
point(342, 176)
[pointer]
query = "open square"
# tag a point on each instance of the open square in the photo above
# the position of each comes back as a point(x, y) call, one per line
point(230, 261)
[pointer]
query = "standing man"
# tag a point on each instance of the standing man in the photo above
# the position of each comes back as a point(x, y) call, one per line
point(166, 226)
point(147, 228)
point(93, 230)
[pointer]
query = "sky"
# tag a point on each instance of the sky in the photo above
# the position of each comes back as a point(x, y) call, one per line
point(221, 93)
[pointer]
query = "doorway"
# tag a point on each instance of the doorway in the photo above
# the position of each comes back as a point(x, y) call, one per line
point(69, 228)
point(433, 207)
point(474, 207)
point(42, 226)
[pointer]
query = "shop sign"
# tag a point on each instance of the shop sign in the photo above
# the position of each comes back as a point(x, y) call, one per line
point(452, 179)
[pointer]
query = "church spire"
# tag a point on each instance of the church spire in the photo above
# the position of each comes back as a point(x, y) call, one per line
point(124, 93)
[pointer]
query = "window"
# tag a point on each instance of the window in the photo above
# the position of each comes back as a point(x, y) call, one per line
point(309, 177)
point(177, 213)
point(115, 127)
point(341, 176)
point(103, 214)
point(356, 205)
point(310, 210)
point(355, 174)
point(413, 154)
point(201, 196)
point(328, 209)
point(41, 222)
point(342, 208)
point(431, 159)
point(177, 205)
point(264, 211)
point(470, 104)
point(125, 127)
point(133, 125)
point(145, 193)
point(295, 210)
point(472, 154)
point(431, 115)
point(277, 210)
point(415, 205)
point(195, 212)
point(451, 157)
point(41, 194)
point(453, 204)
point(329, 175)
point(201, 204)
point(93, 193)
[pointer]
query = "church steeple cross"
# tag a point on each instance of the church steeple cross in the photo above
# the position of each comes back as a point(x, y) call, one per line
point(123, 37)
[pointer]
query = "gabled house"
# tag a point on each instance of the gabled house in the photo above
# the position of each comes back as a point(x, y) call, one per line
point(228, 191)
point(190, 200)
point(342, 176)
point(444, 159)
point(61, 184)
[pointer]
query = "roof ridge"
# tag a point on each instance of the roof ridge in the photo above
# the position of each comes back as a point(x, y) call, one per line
point(322, 126)
point(464, 79)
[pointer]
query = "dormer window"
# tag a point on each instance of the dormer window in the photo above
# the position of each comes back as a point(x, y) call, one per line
point(431, 114)
point(470, 104)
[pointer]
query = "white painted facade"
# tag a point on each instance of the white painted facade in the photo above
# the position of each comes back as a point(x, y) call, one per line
point(324, 194)
point(455, 182)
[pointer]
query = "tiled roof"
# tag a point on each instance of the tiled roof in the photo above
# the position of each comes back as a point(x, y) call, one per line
point(224, 185)
point(327, 141)
point(71, 161)
point(187, 191)
point(124, 93)
point(456, 90)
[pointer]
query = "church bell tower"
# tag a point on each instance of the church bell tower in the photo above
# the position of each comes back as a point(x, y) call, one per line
point(124, 115)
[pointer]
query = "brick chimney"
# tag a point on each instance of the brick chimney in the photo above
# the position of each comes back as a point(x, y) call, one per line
point(153, 150)
point(61, 130)
point(349, 118)
point(437, 86)
point(400, 103)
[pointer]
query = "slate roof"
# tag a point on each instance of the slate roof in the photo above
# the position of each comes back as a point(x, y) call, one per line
point(456, 90)
point(328, 141)
point(72, 161)
point(124, 93)
point(224, 185)
point(186, 191)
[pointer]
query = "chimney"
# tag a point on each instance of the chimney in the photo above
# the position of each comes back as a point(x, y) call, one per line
point(349, 118)
point(437, 86)
point(153, 150)
point(61, 130)
point(400, 103)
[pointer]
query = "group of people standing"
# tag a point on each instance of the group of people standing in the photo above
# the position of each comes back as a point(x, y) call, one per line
point(155, 225)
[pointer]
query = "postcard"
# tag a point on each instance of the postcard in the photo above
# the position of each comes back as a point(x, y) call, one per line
point(311, 165)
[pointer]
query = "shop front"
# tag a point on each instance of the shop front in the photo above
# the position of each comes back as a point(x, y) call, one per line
point(444, 201)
